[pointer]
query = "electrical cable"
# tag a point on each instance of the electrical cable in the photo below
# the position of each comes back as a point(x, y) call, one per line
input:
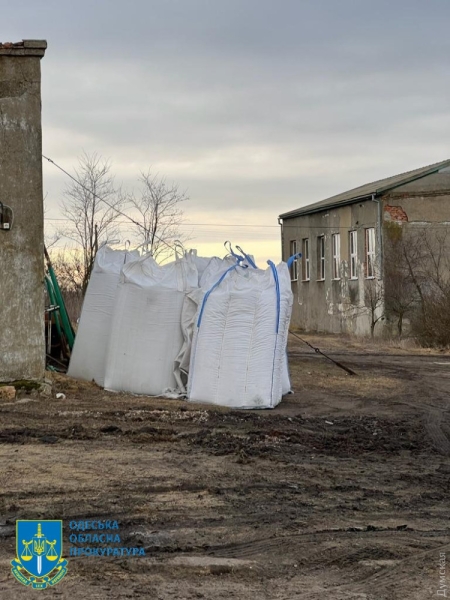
point(318, 351)
point(119, 212)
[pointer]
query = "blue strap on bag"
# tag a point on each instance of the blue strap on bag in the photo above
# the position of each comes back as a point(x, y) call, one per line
point(291, 259)
point(237, 257)
point(277, 288)
point(213, 288)
point(247, 257)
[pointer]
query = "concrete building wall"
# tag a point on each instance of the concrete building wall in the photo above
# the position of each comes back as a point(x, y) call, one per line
point(410, 211)
point(426, 200)
point(332, 305)
point(416, 219)
point(22, 342)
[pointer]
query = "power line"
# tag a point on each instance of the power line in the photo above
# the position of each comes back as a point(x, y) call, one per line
point(320, 227)
point(362, 225)
point(119, 212)
point(285, 226)
point(190, 224)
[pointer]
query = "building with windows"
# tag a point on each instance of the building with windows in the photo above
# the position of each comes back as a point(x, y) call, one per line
point(340, 283)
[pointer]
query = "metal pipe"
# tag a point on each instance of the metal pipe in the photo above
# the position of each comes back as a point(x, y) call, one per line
point(380, 234)
point(280, 223)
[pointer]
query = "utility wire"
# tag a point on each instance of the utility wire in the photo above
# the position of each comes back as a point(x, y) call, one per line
point(318, 351)
point(139, 225)
point(320, 227)
point(119, 212)
point(189, 224)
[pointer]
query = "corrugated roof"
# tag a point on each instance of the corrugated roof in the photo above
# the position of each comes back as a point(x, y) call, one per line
point(367, 190)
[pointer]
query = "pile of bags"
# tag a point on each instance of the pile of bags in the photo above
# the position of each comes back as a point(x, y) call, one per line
point(209, 329)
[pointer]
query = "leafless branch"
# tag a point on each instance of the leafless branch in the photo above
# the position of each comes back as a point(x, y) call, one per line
point(157, 205)
point(91, 221)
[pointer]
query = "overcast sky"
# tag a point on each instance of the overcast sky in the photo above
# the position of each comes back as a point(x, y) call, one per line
point(255, 106)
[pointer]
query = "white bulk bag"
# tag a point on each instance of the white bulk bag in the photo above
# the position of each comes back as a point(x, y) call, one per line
point(209, 272)
point(210, 275)
point(201, 262)
point(238, 355)
point(208, 266)
point(146, 334)
point(88, 356)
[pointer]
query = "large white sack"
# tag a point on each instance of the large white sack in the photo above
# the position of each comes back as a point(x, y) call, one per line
point(215, 268)
point(201, 262)
point(286, 387)
point(146, 334)
point(207, 267)
point(210, 269)
point(210, 273)
point(88, 356)
point(238, 355)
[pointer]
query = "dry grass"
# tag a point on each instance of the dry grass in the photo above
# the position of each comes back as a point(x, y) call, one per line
point(349, 343)
point(323, 375)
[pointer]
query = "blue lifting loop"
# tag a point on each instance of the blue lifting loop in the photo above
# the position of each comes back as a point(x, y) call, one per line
point(211, 290)
point(277, 287)
point(247, 258)
point(291, 259)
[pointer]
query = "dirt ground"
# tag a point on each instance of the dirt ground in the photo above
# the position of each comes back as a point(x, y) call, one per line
point(341, 492)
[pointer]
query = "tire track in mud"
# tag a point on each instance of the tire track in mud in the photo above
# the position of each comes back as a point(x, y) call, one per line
point(269, 545)
point(436, 391)
point(383, 577)
point(436, 433)
point(395, 574)
point(439, 389)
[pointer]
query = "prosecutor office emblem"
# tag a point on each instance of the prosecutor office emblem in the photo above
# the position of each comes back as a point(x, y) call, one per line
point(39, 561)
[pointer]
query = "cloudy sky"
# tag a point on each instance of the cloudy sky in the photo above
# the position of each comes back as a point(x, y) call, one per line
point(255, 106)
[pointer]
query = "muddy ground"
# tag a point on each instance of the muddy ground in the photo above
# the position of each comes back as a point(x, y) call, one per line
point(341, 492)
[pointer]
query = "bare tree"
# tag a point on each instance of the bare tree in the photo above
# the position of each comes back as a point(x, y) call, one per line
point(157, 214)
point(401, 296)
point(50, 239)
point(417, 280)
point(435, 264)
point(68, 264)
point(374, 302)
point(367, 302)
point(92, 205)
point(402, 288)
point(428, 260)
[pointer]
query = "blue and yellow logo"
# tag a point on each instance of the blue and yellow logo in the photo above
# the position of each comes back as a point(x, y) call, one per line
point(39, 561)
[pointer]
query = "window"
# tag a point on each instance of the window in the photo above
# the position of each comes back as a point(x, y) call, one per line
point(294, 267)
point(352, 244)
point(336, 246)
point(370, 252)
point(305, 259)
point(321, 257)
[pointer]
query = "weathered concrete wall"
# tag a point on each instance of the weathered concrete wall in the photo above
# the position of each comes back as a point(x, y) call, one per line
point(332, 305)
point(416, 221)
point(426, 200)
point(22, 342)
point(416, 210)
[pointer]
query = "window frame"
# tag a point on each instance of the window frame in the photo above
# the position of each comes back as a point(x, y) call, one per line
point(306, 264)
point(336, 256)
point(353, 253)
point(293, 269)
point(321, 258)
point(370, 254)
